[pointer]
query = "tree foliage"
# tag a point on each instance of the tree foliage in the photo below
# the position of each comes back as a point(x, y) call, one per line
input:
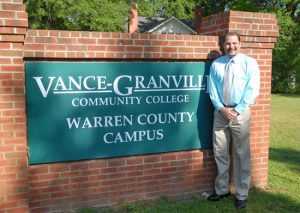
point(91, 15)
point(286, 57)
point(181, 9)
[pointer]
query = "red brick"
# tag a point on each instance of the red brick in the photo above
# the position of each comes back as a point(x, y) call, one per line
point(59, 168)
point(4, 46)
point(152, 49)
point(161, 164)
point(6, 205)
point(86, 41)
point(96, 48)
point(159, 43)
point(39, 170)
point(62, 55)
point(5, 60)
point(56, 47)
point(14, 23)
point(184, 156)
point(40, 210)
point(115, 48)
point(34, 47)
point(13, 7)
point(97, 164)
point(134, 49)
point(13, 38)
point(102, 178)
point(91, 172)
point(39, 184)
point(56, 181)
point(152, 159)
point(11, 68)
point(22, 15)
point(134, 173)
point(139, 43)
point(78, 166)
point(169, 49)
point(108, 170)
point(79, 179)
point(152, 171)
point(60, 194)
point(49, 176)
point(187, 50)
point(193, 44)
point(7, 148)
point(15, 155)
point(116, 175)
point(12, 53)
point(134, 160)
point(12, 30)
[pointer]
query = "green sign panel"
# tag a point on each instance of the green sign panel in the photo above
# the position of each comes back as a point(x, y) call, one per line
point(87, 110)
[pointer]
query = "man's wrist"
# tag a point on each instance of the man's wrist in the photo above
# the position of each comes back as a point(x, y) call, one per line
point(222, 109)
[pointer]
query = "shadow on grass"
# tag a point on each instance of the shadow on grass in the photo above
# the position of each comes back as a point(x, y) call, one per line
point(259, 201)
point(265, 201)
point(287, 95)
point(290, 157)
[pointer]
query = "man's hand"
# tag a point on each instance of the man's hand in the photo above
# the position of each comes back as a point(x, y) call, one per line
point(229, 113)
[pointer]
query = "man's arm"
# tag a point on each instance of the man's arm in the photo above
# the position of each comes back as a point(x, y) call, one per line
point(212, 88)
point(252, 87)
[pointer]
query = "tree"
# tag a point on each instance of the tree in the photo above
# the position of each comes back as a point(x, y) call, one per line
point(91, 15)
point(45, 14)
point(286, 66)
point(181, 9)
point(150, 8)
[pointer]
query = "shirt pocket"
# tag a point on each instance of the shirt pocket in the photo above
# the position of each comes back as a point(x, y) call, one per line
point(241, 76)
point(240, 81)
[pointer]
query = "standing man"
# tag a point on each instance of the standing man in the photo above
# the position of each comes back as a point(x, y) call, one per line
point(233, 86)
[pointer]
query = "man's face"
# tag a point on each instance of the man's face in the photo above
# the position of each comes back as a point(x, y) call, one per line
point(231, 46)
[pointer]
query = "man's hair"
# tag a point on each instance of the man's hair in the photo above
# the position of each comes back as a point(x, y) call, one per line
point(231, 34)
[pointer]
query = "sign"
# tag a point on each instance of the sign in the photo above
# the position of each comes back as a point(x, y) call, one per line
point(87, 110)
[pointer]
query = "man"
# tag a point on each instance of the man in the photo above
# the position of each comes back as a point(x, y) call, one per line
point(233, 87)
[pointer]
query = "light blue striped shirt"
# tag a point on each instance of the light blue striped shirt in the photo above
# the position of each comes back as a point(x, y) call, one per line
point(245, 82)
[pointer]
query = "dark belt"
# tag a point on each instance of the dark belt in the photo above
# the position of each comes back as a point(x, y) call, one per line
point(229, 106)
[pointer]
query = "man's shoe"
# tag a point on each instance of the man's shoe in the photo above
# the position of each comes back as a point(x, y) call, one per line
point(240, 204)
point(216, 197)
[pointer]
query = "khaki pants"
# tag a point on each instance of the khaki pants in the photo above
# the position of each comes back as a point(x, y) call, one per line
point(237, 131)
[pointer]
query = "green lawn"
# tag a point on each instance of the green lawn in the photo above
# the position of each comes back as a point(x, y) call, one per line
point(283, 192)
point(284, 163)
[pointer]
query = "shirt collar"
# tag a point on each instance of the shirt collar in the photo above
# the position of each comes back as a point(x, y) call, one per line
point(235, 59)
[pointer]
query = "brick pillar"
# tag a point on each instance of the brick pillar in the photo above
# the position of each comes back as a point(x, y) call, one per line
point(259, 32)
point(13, 142)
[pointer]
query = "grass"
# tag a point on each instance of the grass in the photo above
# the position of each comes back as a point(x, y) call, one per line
point(284, 163)
point(283, 192)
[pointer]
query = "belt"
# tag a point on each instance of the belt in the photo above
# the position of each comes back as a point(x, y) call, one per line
point(229, 106)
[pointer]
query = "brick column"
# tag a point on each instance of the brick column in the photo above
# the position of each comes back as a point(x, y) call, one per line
point(13, 144)
point(259, 32)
